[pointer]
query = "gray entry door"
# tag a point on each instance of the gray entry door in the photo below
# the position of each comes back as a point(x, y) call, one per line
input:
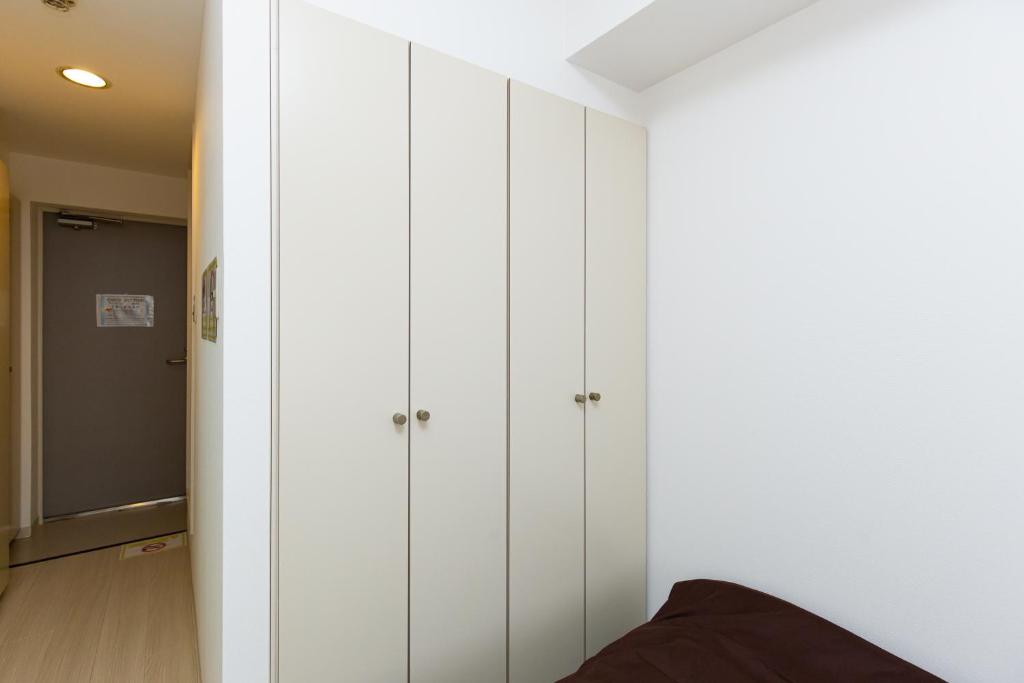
point(113, 408)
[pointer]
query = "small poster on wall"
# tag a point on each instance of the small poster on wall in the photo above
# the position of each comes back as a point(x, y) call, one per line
point(124, 310)
point(209, 321)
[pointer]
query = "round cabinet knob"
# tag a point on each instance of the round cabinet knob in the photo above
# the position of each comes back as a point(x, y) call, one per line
point(422, 415)
point(594, 396)
point(399, 419)
point(580, 398)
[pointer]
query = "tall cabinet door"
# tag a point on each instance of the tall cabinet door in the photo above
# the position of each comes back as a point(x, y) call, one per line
point(458, 364)
point(343, 515)
point(615, 431)
point(546, 294)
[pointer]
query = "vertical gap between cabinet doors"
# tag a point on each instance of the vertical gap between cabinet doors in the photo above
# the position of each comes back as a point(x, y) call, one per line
point(585, 382)
point(508, 376)
point(408, 377)
point(275, 340)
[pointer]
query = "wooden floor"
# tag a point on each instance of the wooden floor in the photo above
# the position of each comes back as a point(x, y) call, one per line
point(96, 617)
point(54, 539)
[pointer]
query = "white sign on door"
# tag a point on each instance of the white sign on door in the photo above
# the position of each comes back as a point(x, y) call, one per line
point(124, 310)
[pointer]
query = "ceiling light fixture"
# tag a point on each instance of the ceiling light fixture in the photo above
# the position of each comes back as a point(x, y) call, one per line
point(83, 77)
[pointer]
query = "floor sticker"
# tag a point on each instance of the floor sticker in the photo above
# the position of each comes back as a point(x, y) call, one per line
point(151, 546)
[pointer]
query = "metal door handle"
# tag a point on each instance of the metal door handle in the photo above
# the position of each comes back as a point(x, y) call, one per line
point(594, 396)
point(399, 419)
point(580, 398)
point(422, 415)
point(176, 361)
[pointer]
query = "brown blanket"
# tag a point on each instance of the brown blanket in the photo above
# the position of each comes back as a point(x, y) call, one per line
point(718, 632)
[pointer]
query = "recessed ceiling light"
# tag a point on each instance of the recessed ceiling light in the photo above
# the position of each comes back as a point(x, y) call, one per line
point(83, 77)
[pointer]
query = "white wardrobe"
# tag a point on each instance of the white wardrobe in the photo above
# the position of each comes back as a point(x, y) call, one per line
point(461, 479)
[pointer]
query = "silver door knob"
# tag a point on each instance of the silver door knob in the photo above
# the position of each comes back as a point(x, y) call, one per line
point(594, 396)
point(422, 415)
point(580, 398)
point(399, 419)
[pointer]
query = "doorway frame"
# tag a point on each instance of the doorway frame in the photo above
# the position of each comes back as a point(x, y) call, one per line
point(33, 403)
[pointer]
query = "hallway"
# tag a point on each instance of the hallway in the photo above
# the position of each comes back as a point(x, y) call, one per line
point(97, 617)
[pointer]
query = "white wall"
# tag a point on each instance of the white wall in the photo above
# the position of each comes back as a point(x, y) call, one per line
point(528, 40)
point(54, 182)
point(246, 295)
point(231, 211)
point(206, 499)
point(59, 182)
point(837, 328)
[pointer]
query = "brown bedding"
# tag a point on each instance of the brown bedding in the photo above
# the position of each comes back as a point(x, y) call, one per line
point(718, 632)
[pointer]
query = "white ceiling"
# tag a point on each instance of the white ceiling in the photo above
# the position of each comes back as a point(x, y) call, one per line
point(147, 49)
point(668, 36)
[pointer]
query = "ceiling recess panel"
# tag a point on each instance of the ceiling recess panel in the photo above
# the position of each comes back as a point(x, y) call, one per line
point(668, 36)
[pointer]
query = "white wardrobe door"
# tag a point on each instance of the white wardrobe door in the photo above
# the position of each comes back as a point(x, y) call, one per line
point(344, 349)
point(616, 476)
point(546, 294)
point(458, 371)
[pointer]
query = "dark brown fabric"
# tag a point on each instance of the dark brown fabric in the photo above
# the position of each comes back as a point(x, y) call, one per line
point(718, 632)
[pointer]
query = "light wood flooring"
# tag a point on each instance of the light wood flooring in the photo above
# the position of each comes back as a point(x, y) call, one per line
point(97, 618)
point(66, 536)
